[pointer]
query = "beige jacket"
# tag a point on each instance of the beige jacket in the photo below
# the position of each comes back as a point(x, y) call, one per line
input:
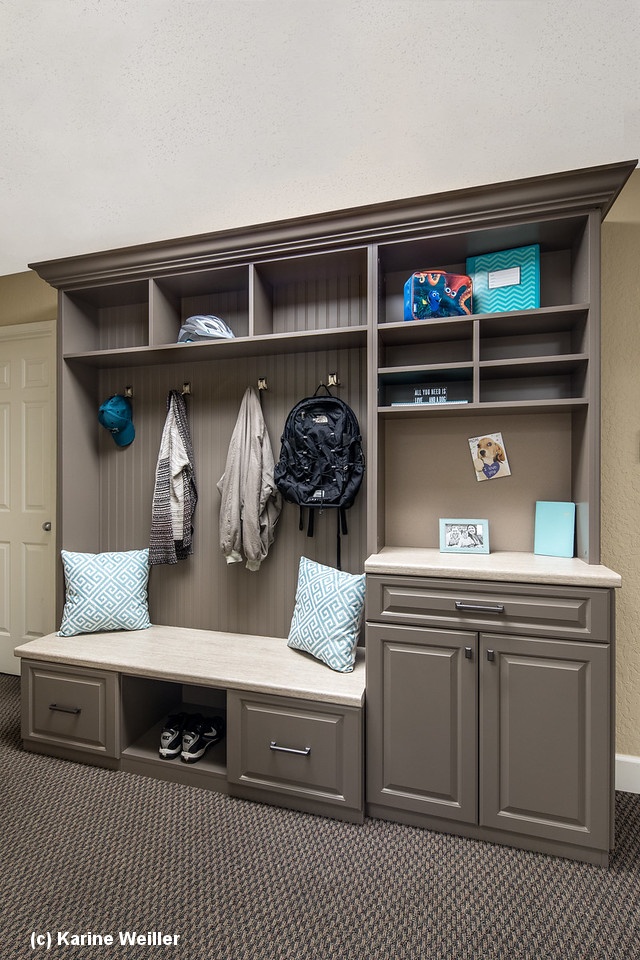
point(251, 502)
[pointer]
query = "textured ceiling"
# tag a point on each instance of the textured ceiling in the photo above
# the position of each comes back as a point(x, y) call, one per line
point(127, 121)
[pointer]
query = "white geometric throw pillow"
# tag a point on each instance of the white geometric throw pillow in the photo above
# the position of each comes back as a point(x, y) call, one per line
point(327, 614)
point(105, 591)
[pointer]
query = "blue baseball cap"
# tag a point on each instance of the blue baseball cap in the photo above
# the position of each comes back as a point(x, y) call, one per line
point(115, 415)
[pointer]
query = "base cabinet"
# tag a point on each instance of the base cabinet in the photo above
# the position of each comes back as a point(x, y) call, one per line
point(292, 752)
point(491, 735)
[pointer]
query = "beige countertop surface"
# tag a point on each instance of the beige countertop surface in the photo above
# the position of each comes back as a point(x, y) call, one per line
point(499, 566)
point(226, 660)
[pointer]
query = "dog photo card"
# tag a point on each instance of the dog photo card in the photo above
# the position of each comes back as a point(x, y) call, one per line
point(489, 457)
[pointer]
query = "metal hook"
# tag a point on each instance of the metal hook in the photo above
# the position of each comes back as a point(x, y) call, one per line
point(186, 388)
point(332, 380)
point(262, 383)
point(128, 391)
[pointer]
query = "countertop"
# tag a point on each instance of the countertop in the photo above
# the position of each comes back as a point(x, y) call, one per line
point(499, 566)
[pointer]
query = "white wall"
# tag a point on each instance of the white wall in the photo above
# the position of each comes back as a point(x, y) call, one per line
point(126, 122)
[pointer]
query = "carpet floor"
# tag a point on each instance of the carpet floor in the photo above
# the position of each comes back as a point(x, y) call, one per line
point(87, 855)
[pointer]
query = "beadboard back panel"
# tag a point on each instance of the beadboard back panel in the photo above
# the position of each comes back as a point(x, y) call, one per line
point(204, 591)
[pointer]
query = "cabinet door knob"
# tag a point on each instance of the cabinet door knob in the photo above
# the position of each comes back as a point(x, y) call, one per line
point(468, 653)
point(491, 655)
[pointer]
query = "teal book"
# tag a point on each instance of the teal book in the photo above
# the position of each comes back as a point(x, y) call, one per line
point(506, 280)
point(554, 531)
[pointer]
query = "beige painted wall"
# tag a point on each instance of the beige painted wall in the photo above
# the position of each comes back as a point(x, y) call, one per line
point(24, 297)
point(621, 445)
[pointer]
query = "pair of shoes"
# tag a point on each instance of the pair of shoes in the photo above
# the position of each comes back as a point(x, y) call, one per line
point(199, 734)
point(189, 735)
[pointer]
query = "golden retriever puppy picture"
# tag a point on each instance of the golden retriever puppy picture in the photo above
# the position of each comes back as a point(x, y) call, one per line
point(489, 457)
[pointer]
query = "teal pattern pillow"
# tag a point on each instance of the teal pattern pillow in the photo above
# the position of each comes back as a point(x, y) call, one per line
point(327, 614)
point(105, 591)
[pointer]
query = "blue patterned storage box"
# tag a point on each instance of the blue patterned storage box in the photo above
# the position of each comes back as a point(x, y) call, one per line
point(506, 280)
point(429, 294)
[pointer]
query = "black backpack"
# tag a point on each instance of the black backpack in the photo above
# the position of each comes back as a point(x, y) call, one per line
point(321, 461)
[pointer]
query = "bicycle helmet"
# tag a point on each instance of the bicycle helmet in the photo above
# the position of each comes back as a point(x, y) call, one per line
point(204, 327)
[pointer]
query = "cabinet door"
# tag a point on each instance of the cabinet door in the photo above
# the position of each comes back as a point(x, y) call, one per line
point(544, 738)
point(422, 721)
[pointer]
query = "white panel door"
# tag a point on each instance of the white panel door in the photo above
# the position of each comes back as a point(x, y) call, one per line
point(27, 486)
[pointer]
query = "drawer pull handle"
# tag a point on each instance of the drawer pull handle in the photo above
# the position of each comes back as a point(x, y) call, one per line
point(60, 709)
point(468, 652)
point(479, 607)
point(491, 655)
point(304, 753)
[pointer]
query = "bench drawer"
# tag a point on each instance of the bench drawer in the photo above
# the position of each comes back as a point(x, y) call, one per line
point(70, 707)
point(295, 747)
point(572, 613)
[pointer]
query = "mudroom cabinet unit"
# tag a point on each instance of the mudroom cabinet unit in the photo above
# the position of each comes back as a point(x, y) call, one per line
point(320, 300)
point(489, 706)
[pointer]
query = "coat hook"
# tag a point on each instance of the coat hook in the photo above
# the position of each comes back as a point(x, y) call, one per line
point(186, 388)
point(332, 380)
point(128, 391)
point(262, 383)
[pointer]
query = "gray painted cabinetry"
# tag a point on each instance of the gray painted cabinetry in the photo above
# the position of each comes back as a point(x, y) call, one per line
point(453, 736)
point(294, 728)
point(483, 731)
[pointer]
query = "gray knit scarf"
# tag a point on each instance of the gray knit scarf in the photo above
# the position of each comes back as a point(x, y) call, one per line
point(175, 494)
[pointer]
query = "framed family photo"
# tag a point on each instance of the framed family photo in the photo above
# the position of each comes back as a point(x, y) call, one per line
point(464, 536)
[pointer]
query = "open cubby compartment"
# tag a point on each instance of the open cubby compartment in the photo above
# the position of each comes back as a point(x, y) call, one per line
point(549, 379)
point(320, 291)
point(448, 385)
point(548, 332)
point(442, 481)
point(564, 259)
point(109, 317)
point(223, 292)
point(146, 704)
point(425, 342)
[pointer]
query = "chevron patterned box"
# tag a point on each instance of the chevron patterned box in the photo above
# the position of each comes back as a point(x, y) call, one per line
point(506, 280)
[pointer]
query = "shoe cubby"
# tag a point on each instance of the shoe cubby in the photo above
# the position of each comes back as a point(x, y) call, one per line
point(146, 705)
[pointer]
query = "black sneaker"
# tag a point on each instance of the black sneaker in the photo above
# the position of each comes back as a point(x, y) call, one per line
point(199, 734)
point(171, 736)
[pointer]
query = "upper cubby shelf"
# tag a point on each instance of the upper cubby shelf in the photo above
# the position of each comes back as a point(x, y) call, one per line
point(265, 346)
point(564, 259)
point(297, 303)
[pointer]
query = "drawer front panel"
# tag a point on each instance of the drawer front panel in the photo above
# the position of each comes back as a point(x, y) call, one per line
point(76, 709)
point(296, 747)
point(579, 613)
